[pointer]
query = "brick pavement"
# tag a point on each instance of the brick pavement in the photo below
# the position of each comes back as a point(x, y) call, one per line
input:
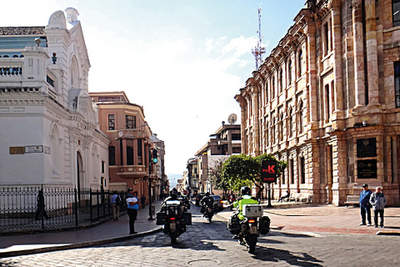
point(327, 219)
point(206, 244)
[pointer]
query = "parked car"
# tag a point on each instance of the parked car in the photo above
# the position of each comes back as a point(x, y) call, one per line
point(218, 202)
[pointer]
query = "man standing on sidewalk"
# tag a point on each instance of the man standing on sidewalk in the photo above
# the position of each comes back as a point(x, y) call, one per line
point(378, 202)
point(365, 206)
point(132, 208)
point(115, 203)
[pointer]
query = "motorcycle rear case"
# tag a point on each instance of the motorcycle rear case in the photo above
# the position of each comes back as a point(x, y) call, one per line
point(161, 218)
point(187, 217)
point(264, 225)
point(252, 210)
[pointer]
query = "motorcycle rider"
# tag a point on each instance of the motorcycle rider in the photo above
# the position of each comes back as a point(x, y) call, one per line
point(206, 201)
point(244, 200)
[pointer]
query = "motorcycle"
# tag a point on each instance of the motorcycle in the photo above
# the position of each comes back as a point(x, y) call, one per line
point(174, 219)
point(249, 229)
point(208, 210)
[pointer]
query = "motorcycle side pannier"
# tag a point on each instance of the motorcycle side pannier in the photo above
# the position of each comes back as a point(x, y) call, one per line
point(234, 225)
point(161, 218)
point(187, 217)
point(264, 225)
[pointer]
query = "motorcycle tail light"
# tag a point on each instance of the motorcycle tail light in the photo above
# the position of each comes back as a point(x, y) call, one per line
point(172, 218)
point(252, 220)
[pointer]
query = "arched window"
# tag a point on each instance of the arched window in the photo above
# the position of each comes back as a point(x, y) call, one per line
point(289, 70)
point(290, 122)
point(280, 129)
point(300, 116)
point(273, 86)
point(300, 62)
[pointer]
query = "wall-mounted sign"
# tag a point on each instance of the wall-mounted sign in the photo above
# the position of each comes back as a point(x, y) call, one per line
point(14, 150)
point(366, 169)
point(268, 171)
point(34, 149)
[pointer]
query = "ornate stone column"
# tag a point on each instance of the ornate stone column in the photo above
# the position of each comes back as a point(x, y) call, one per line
point(243, 117)
point(256, 130)
point(359, 77)
point(337, 49)
point(312, 70)
point(372, 52)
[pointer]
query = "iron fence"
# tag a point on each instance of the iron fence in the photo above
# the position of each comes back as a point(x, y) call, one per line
point(52, 207)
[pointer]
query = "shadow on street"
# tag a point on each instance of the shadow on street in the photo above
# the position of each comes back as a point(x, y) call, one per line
point(292, 258)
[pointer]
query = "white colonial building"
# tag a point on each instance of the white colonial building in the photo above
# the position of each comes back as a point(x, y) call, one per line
point(49, 131)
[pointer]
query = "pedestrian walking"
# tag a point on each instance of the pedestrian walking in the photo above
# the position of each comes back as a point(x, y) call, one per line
point(365, 206)
point(132, 208)
point(40, 209)
point(378, 202)
point(115, 203)
point(143, 201)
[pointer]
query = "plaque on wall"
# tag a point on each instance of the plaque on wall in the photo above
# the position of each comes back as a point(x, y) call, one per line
point(366, 169)
point(366, 147)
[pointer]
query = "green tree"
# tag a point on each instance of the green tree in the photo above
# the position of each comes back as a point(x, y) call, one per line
point(242, 170)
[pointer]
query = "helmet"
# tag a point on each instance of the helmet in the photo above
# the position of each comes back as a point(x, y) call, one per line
point(173, 193)
point(208, 194)
point(245, 190)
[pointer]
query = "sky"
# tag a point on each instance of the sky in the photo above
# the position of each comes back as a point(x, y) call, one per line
point(182, 60)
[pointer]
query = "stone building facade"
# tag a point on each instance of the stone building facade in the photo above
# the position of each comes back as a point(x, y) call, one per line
point(130, 143)
point(327, 101)
point(226, 141)
point(48, 124)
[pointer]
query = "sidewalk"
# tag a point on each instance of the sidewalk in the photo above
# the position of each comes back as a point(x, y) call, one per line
point(108, 230)
point(327, 219)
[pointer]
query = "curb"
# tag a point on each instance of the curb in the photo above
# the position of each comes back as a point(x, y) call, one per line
point(77, 245)
point(395, 233)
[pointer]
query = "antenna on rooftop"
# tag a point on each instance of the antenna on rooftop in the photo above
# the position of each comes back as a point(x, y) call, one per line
point(258, 50)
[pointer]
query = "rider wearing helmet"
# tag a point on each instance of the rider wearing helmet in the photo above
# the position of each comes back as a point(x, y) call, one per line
point(244, 200)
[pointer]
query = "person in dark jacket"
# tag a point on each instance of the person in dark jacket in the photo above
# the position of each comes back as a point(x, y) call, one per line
point(40, 210)
point(378, 202)
point(365, 206)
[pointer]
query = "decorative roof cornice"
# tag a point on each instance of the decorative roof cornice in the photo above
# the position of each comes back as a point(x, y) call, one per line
point(31, 30)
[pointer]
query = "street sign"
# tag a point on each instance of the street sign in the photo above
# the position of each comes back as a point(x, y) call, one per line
point(269, 171)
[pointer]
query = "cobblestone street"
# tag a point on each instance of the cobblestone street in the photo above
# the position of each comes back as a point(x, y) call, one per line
point(207, 244)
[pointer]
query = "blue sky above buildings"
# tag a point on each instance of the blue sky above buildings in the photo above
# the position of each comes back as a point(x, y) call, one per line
point(183, 60)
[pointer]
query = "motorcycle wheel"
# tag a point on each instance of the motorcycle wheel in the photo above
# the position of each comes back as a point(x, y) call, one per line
point(251, 243)
point(173, 240)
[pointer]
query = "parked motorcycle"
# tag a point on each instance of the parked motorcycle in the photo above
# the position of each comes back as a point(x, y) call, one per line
point(251, 227)
point(174, 219)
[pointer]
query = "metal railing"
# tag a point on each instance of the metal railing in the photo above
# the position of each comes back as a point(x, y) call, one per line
point(52, 207)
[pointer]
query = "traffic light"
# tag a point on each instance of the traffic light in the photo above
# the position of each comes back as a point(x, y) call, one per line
point(154, 156)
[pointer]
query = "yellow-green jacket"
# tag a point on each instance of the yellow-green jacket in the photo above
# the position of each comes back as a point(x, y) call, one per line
point(244, 201)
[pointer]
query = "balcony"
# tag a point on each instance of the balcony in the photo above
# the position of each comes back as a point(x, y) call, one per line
point(137, 133)
point(130, 171)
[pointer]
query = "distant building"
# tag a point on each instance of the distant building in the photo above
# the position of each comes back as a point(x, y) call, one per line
point(226, 141)
point(130, 135)
point(48, 124)
point(160, 179)
point(327, 101)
